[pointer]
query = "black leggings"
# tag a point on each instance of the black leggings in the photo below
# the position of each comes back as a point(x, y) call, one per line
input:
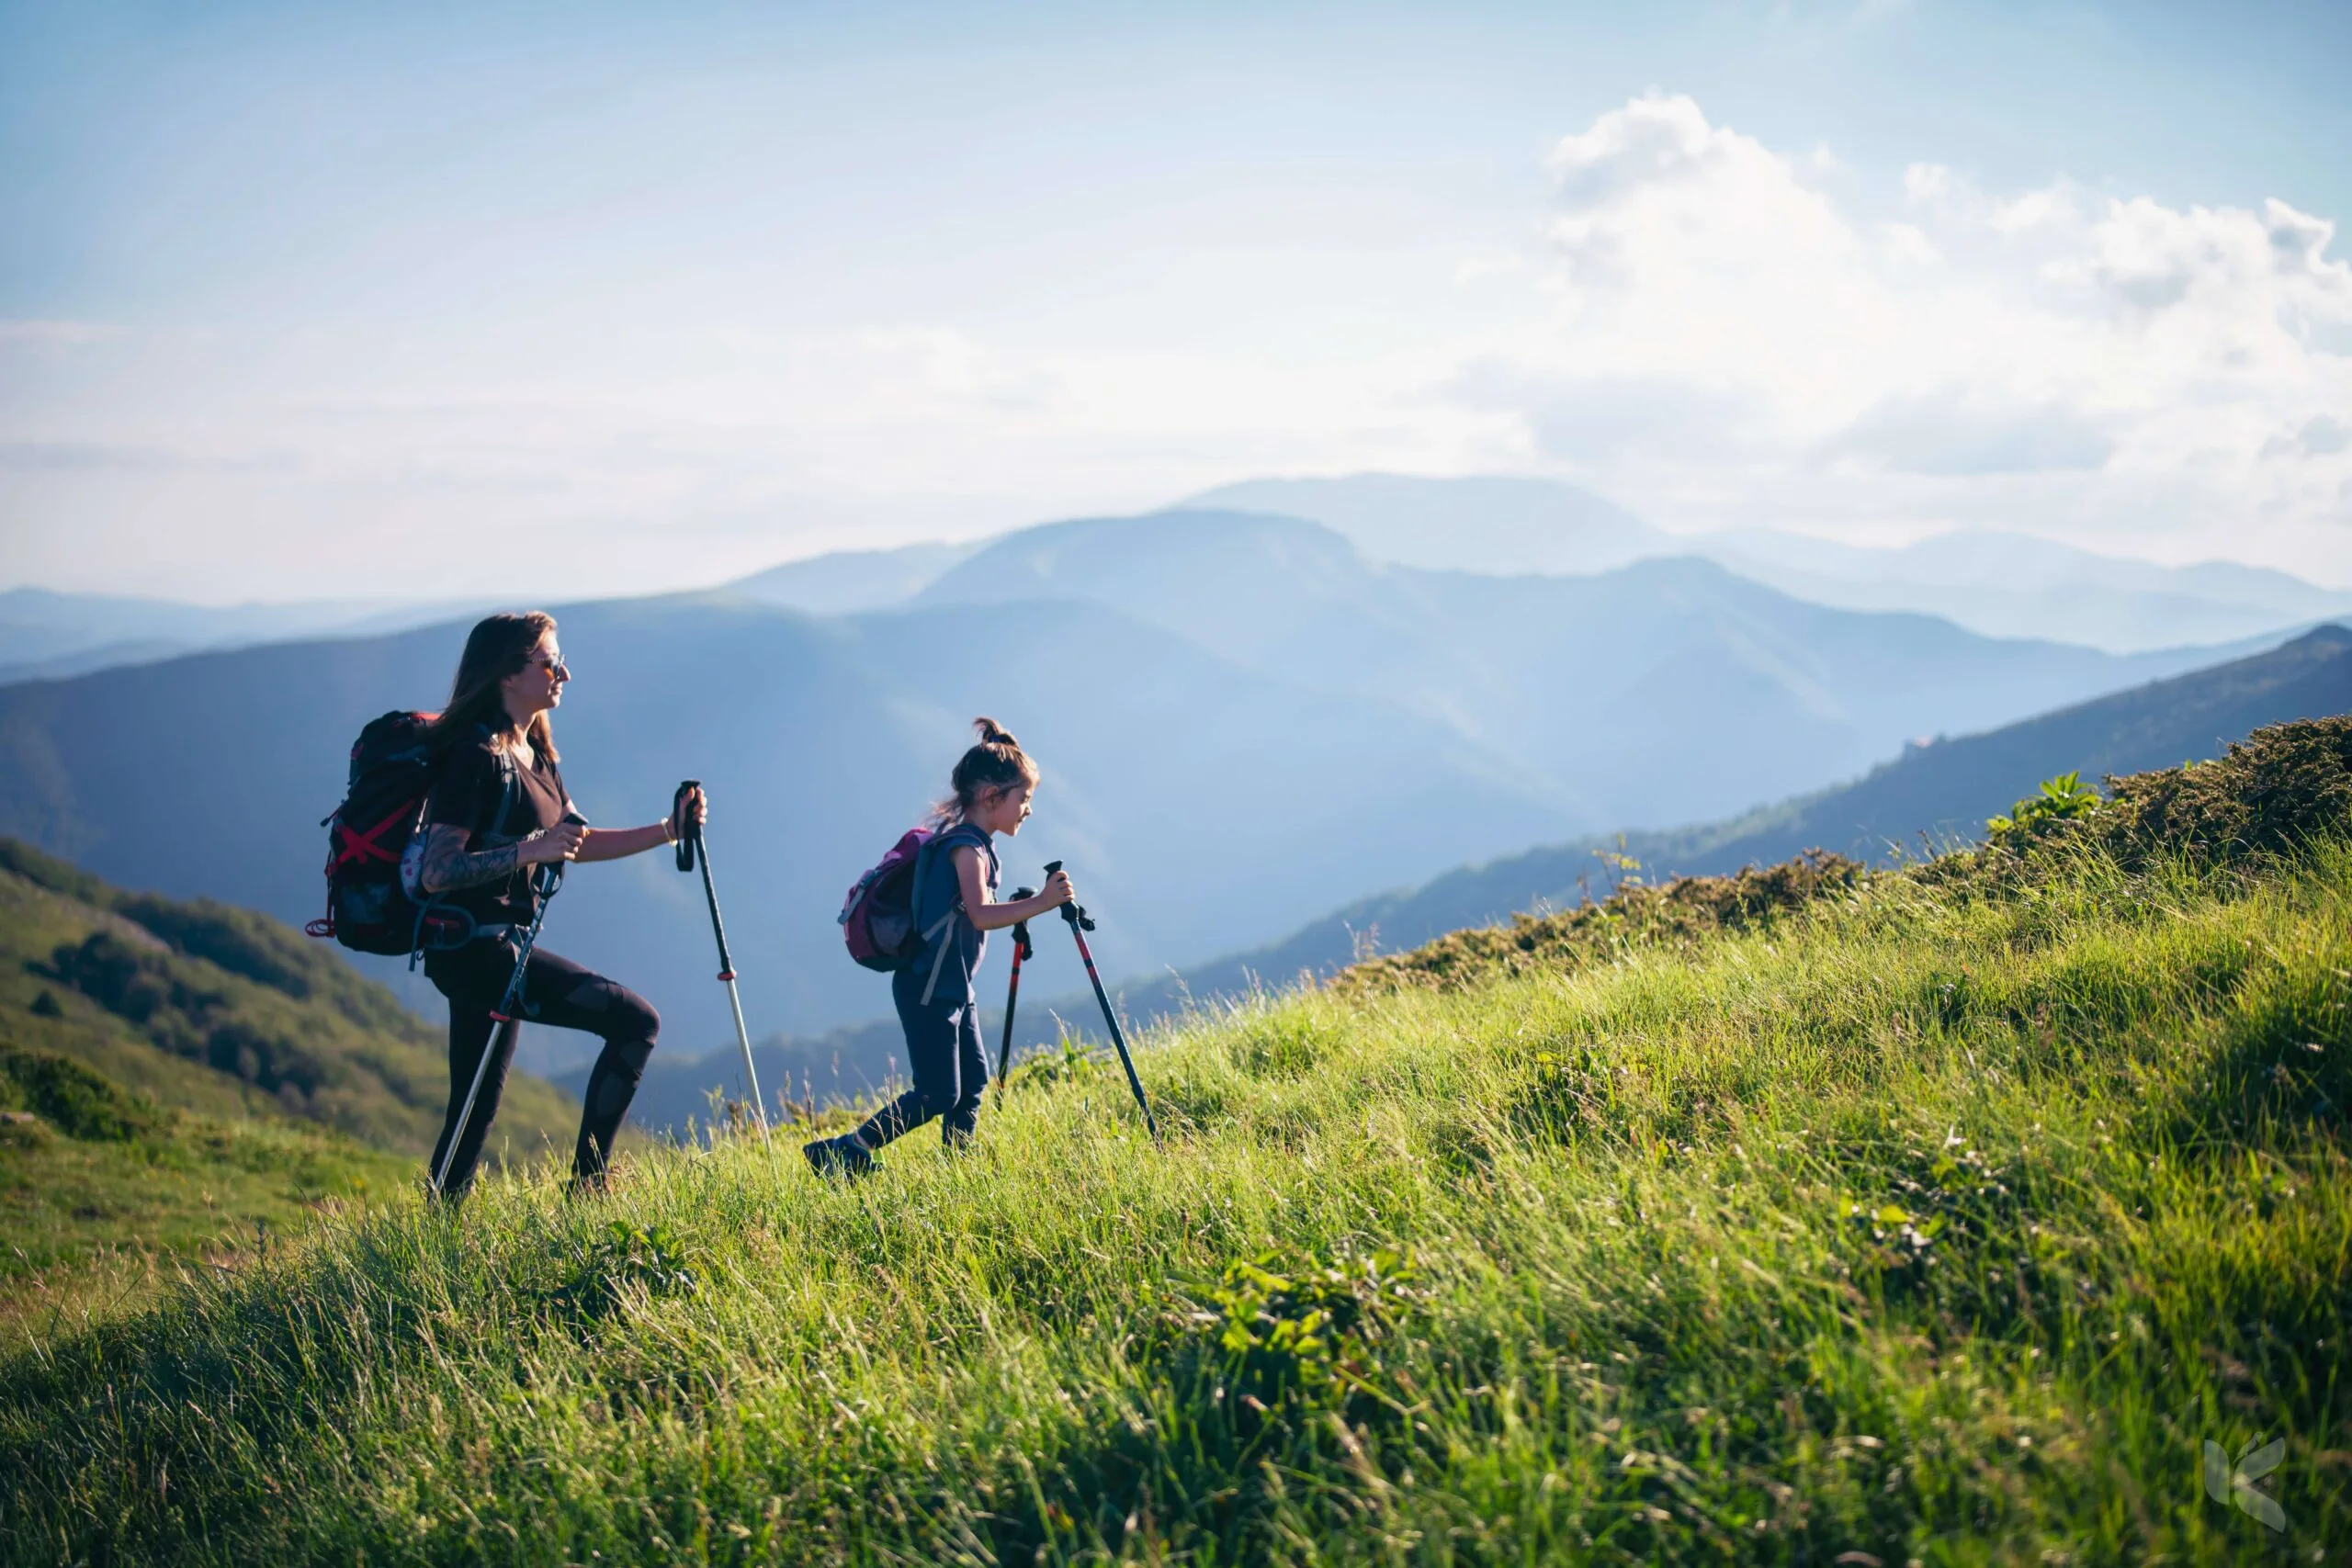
point(950, 1068)
point(564, 995)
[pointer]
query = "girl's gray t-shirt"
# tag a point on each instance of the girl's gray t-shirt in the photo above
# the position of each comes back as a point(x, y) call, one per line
point(937, 892)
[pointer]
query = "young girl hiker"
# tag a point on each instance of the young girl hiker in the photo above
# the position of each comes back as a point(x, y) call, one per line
point(499, 810)
point(957, 874)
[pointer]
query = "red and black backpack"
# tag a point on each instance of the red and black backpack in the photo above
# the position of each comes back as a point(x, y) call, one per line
point(370, 907)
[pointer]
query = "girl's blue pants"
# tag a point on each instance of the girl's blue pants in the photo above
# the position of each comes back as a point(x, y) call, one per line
point(950, 1070)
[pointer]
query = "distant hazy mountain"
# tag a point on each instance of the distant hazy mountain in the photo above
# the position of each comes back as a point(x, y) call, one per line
point(2002, 584)
point(1942, 793)
point(101, 656)
point(1668, 691)
point(1495, 524)
point(846, 582)
point(1930, 796)
point(1243, 723)
point(1172, 775)
point(48, 634)
point(2016, 585)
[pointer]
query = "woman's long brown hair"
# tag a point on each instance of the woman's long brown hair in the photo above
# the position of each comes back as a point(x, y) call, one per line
point(498, 647)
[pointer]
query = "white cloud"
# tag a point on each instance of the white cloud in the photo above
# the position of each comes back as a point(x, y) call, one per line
point(1736, 343)
point(1909, 242)
point(2322, 436)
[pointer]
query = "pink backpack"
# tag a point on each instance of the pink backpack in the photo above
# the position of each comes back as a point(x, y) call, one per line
point(877, 919)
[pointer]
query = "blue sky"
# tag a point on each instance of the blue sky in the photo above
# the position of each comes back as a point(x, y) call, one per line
point(577, 301)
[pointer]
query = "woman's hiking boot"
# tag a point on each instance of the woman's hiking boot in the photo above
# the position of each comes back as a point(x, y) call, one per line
point(843, 1158)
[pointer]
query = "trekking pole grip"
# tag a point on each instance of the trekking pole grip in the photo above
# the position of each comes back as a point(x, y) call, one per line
point(688, 834)
point(1021, 928)
point(1073, 911)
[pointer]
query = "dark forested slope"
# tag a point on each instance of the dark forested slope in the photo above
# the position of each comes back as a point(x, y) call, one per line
point(224, 1011)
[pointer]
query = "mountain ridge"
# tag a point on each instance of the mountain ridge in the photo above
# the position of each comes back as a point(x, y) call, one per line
point(1898, 808)
point(748, 698)
point(1997, 583)
point(1317, 731)
point(2131, 731)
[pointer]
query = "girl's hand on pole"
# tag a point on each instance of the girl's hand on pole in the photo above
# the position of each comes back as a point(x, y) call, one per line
point(1057, 890)
point(561, 841)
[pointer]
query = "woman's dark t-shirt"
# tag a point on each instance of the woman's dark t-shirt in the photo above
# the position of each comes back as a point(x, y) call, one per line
point(471, 794)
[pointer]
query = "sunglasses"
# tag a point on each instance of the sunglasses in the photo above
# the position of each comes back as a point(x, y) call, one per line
point(556, 668)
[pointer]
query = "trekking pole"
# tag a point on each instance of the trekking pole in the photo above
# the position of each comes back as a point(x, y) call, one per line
point(1079, 924)
point(546, 880)
point(1021, 950)
point(690, 841)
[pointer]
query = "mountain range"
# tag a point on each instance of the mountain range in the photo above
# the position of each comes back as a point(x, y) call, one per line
point(1932, 796)
point(2000, 583)
point(1670, 690)
point(846, 582)
point(821, 740)
point(48, 634)
point(1244, 722)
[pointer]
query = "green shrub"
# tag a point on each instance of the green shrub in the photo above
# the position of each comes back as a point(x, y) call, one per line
point(624, 1259)
point(1297, 1327)
point(1675, 915)
point(1071, 1060)
point(70, 1097)
point(2063, 799)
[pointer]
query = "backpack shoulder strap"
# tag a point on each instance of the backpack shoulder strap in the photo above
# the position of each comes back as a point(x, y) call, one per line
point(963, 836)
point(510, 789)
point(940, 843)
point(921, 873)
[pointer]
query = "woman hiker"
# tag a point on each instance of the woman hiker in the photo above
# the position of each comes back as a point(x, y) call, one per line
point(498, 809)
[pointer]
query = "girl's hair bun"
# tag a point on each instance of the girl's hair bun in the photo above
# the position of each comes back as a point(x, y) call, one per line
point(996, 761)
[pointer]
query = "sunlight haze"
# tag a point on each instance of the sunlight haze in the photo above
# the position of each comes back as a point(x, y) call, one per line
point(599, 300)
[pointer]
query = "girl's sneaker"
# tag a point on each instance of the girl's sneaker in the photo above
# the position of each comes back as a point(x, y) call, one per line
point(843, 1156)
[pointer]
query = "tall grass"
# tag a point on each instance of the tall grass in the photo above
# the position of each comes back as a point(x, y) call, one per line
point(1924, 1226)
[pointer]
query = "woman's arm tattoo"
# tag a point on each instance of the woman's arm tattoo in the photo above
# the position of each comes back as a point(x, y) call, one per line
point(446, 865)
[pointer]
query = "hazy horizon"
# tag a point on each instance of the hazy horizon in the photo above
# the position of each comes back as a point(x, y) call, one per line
point(301, 304)
point(389, 604)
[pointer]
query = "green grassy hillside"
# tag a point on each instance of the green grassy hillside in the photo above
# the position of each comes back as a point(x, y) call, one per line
point(226, 1012)
point(245, 1077)
point(1944, 1215)
point(90, 1173)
